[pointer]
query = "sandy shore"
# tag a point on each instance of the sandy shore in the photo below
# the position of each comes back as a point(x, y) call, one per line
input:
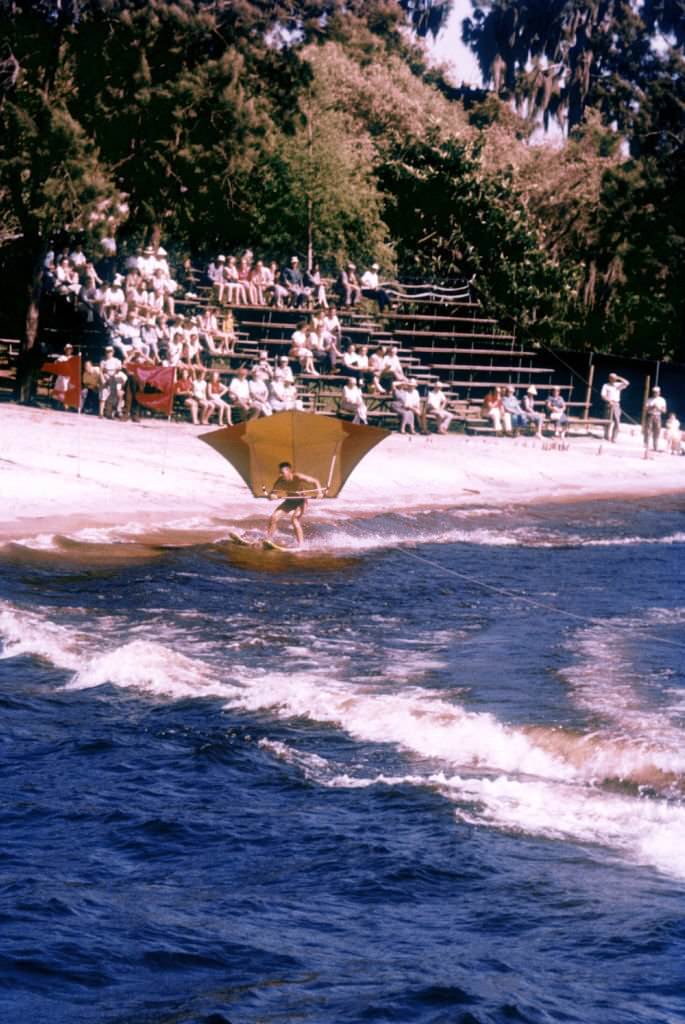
point(60, 473)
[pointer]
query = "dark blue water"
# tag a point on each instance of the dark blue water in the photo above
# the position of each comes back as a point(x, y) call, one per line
point(437, 781)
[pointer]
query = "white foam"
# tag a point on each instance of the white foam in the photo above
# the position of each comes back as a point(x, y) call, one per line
point(412, 720)
point(33, 634)
point(151, 668)
point(605, 680)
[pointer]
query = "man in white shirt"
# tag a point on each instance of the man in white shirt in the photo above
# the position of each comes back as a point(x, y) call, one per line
point(239, 394)
point(353, 401)
point(611, 394)
point(435, 407)
point(371, 288)
point(655, 409)
point(407, 405)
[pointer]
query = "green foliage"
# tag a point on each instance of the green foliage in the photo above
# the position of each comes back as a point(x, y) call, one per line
point(456, 220)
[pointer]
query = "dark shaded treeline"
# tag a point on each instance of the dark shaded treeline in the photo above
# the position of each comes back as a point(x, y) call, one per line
point(319, 127)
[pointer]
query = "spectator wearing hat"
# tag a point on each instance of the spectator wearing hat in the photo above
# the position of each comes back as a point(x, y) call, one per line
point(514, 416)
point(407, 404)
point(611, 396)
point(283, 370)
point(215, 274)
point(293, 281)
point(435, 407)
point(530, 412)
point(371, 288)
point(347, 286)
point(655, 410)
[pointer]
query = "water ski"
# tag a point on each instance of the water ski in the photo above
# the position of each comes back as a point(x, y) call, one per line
point(240, 540)
point(271, 545)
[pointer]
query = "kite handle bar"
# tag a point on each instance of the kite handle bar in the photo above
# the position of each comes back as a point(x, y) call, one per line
point(300, 494)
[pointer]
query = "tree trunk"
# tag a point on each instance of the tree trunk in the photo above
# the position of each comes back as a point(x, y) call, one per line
point(30, 355)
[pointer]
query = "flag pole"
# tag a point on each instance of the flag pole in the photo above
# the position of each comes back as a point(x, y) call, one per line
point(168, 424)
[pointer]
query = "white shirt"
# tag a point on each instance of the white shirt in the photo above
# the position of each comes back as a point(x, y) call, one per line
point(656, 405)
point(239, 388)
point(612, 392)
point(436, 400)
point(370, 279)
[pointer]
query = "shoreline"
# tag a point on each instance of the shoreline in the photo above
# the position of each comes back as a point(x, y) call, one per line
point(61, 473)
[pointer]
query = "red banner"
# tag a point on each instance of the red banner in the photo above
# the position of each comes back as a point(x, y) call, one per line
point(161, 378)
point(67, 387)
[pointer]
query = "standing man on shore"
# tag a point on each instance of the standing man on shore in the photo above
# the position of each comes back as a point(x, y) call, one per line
point(655, 409)
point(611, 394)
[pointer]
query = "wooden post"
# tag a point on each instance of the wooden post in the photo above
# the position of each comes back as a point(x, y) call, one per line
point(588, 394)
point(645, 396)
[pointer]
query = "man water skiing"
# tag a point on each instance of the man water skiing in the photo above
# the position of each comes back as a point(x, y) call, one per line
point(294, 487)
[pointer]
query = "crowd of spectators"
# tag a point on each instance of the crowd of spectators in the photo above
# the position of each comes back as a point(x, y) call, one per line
point(135, 301)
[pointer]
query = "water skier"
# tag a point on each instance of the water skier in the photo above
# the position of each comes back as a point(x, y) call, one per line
point(294, 487)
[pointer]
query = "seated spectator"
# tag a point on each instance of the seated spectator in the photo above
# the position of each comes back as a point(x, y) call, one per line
point(293, 282)
point(376, 367)
point(175, 349)
point(262, 369)
point(673, 435)
point(216, 390)
point(233, 289)
point(77, 256)
point(353, 401)
point(192, 350)
point(330, 324)
point(392, 367)
point(317, 289)
point(435, 407)
point(260, 280)
point(200, 396)
point(245, 279)
point(239, 394)
point(283, 371)
point(259, 395)
point(283, 395)
point(150, 338)
point(407, 405)
point(187, 278)
point(556, 409)
point(218, 340)
point(371, 288)
point(184, 387)
point(528, 406)
point(347, 286)
point(275, 291)
point(215, 274)
point(493, 410)
point(300, 351)
point(113, 299)
point(351, 362)
point(512, 409)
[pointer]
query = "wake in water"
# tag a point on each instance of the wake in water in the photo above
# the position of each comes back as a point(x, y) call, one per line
point(540, 780)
